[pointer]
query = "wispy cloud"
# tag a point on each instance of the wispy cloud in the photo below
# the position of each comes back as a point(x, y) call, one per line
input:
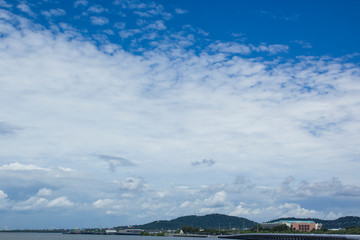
point(22, 6)
point(115, 162)
point(231, 48)
point(272, 49)
point(3, 3)
point(206, 162)
point(99, 20)
point(303, 43)
point(21, 167)
point(133, 184)
point(7, 129)
point(180, 11)
point(280, 15)
point(78, 3)
point(54, 12)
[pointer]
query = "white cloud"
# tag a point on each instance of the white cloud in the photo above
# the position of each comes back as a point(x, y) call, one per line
point(120, 25)
point(103, 203)
point(219, 199)
point(97, 9)
point(25, 8)
point(157, 25)
point(272, 49)
point(99, 20)
point(31, 204)
point(3, 195)
point(80, 3)
point(295, 210)
point(230, 48)
point(54, 12)
point(128, 33)
point(304, 44)
point(150, 10)
point(4, 201)
point(242, 209)
point(60, 202)
point(166, 108)
point(44, 192)
point(180, 11)
point(236, 48)
point(4, 4)
point(22, 167)
point(40, 203)
point(133, 184)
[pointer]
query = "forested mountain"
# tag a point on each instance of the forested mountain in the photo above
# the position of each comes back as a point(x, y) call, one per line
point(211, 221)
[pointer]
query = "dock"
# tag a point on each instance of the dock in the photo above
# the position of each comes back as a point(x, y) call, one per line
point(280, 236)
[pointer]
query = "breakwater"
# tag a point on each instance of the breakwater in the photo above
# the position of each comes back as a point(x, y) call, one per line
point(265, 236)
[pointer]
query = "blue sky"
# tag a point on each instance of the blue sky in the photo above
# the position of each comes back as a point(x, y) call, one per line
point(125, 112)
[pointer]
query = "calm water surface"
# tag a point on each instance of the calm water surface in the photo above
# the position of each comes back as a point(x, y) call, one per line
point(60, 236)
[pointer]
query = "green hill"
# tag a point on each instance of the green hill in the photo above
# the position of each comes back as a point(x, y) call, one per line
point(211, 221)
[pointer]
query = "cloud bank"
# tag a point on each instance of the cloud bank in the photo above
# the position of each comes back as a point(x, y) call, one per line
point(74, 108)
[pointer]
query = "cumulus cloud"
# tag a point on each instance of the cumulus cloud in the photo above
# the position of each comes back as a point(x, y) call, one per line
point(242, 209)
point(60, 202)
point(295, 210)
point(4, 201)
point(104, 203)
point(36, 202)
point(219, 199)
point(44, 199)
point(133, 184)
point(31, 203)
point(2, 195)
point(44, 192)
